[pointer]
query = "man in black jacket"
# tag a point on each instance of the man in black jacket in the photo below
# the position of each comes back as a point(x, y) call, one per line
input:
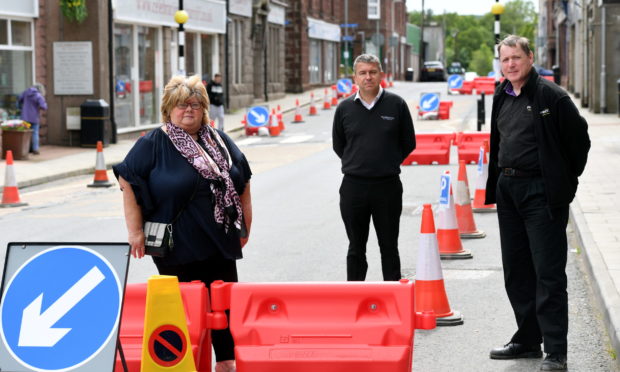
point(539, 146)
point(372, 134)
point(216, 100)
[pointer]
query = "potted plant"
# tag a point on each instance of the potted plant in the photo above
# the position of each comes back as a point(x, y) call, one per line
point(16, 136)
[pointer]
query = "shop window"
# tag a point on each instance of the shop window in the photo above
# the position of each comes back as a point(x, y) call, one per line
point(16, 67)
point(314, 65)
point(238, 41)
point(190, 54)
point(123, 62)
point(329, 71)
point(206, 45)
point(274, 61)
point(147, 52)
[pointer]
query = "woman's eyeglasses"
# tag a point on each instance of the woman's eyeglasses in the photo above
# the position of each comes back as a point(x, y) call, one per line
point(194, 106)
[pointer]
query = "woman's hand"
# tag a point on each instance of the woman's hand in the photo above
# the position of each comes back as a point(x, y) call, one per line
point(246, 206)
point(244, 241)
point(136, 241)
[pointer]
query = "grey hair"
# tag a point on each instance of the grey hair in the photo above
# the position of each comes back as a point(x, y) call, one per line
point(40, 88)
point(367, 58)
point(514, 41)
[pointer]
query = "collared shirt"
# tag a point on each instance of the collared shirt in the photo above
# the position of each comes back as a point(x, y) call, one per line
point(515, 122)
point(371, 104)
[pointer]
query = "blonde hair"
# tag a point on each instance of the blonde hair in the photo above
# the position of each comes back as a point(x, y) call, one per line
point(178, 90)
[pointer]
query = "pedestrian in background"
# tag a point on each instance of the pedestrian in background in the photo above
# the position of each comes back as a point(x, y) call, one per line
point(372, 134)
point(184, 157)
point(31, 102)
point(216, 97)
point(539, 146)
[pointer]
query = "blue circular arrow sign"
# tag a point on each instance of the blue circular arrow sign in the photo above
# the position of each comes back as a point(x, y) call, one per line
point(258, 116)
point(344, 86)
point(455, 81)
point(429, 102)
point(60, 309)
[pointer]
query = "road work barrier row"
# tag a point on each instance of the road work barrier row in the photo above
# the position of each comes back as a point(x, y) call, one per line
point(434, 148)
point(277, 327)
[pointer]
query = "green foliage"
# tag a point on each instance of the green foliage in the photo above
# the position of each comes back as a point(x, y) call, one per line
point(482, 60)
point(468, 37)
point(74, 10)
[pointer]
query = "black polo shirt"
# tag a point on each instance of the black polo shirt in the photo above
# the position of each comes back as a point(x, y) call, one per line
point(517, 144)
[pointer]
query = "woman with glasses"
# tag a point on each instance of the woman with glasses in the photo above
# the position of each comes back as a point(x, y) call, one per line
point(193, 176)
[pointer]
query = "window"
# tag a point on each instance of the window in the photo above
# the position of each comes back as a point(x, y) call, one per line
point(314, 65)
point(273, 59)
point(206, 42)
point(147, 51)
point(374, 9)
point(123, 62)
point(329, 72)
point(237, 40)
point(190, 54)
point(16, 67)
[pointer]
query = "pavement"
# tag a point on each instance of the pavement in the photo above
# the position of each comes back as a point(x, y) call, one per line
point(595, 212)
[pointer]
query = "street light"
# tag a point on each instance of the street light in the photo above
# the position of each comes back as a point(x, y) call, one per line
point(455, 33)
point(497, 9)
point(180, 17)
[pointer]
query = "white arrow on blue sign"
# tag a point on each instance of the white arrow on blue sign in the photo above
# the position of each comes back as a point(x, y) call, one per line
point(429, 102)
point(258, 116)
point(480, 160)
point(455, 81)
point(60, 309)
point(344, 86)
point(444, 197)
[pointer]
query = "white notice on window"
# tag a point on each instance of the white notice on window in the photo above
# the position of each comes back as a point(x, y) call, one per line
point(73, 68)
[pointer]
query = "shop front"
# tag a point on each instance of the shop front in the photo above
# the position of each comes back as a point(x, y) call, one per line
point(324, 41)
point(145, 48)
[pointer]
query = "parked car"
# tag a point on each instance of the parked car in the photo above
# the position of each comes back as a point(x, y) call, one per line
point(456, 69)
point(433, 70)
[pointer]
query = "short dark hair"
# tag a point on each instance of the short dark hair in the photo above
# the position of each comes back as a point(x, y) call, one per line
point(514, 41)
point(217, 75)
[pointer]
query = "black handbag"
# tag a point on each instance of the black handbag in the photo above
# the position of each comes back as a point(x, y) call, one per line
point(158, 240)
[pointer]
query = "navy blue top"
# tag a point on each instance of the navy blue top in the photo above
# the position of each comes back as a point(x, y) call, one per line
point(163, 182)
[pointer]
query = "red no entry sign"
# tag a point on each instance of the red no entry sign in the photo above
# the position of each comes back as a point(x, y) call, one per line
point(167, 345)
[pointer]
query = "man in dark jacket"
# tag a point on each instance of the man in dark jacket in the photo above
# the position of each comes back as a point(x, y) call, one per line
point(216, 100)
point(539, 146)
point(372, 135)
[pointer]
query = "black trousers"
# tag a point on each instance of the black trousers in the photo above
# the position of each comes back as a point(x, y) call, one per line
point(361, 199)
point(534, 253)
point(208, 271)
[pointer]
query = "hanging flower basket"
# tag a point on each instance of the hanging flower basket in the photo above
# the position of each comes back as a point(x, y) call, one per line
point(74, 10)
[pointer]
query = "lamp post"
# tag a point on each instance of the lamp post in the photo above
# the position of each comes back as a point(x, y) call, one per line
point(180, 17)
point(455, 33)
point(497, 9)
point(393, 39)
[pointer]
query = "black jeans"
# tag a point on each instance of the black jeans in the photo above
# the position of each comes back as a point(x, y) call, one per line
point(361, 199)
point(208, 271)
point(534, 253)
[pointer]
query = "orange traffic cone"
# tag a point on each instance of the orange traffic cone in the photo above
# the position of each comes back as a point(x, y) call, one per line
point(450, 246)
point(430, 292)
point(326, 105)
point(10, 193)
point(462, 203)
point(274, 127)
point(101, 174)
point(354, 89)
point(280, 120)
point(481, 182)
point(313, 110)
point(298, 118)
point(334, 96)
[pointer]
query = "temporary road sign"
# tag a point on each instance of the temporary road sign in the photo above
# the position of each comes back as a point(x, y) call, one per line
point(258, 116)
point(480, 159)
point(167, 345)
point(455, 81)
point(60, 309)
point(444, 197)
point(429, 102)
point(344, 86)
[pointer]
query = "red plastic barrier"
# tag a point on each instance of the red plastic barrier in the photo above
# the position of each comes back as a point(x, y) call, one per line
point(199, 321)
point(467, 87)
point(326, 327)
point(431, 148)
point(550, 78)
point(444, 109)
point(469, 143)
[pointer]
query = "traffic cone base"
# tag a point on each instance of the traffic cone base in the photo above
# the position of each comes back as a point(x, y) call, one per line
point(431, 294)
point(455, 319)
point(450, 246)
point(478, 234)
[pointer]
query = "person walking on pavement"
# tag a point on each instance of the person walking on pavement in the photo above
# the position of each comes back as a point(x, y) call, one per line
point(372, 134)
point(539, 146)
point(32, 101)
point(216, 99)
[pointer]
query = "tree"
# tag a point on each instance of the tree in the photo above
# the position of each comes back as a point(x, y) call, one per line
point(482, 60)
